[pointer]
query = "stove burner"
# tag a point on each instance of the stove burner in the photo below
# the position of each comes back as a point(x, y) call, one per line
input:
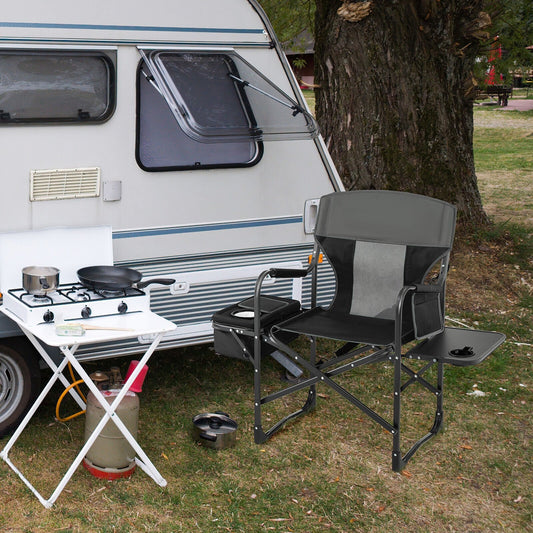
point(108, 293)
point(77, 294)
point(36, 299)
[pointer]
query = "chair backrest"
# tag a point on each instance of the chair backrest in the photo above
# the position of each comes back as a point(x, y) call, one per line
point(379, 241)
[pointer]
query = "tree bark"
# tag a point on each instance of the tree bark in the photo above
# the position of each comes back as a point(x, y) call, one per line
point(395, 95)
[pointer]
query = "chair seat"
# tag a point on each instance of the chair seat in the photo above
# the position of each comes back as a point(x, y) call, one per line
point(321, 322)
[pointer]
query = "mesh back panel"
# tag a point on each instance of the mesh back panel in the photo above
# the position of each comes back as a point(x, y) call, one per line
point(378, 276)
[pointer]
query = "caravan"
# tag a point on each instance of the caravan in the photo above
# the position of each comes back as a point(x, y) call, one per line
point(179, 126)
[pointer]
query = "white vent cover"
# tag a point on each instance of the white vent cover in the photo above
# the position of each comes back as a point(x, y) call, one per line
point(60, 184)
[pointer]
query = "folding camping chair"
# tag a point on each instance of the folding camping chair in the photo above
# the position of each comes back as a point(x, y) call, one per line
point(390, 254)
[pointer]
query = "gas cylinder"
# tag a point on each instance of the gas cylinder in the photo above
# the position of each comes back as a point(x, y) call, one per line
point(111, 456)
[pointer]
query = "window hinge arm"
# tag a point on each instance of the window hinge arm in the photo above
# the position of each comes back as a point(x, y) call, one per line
point(295, 107)
point(152, 81)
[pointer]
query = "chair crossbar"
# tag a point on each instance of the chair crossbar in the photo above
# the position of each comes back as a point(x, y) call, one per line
point(374, 357)
point(304, 383)
point(325, 377)
point(416, 377)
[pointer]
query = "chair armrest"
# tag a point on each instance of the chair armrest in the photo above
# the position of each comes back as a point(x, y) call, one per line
point(428, 288)
point(273, 273)
point(288, 272)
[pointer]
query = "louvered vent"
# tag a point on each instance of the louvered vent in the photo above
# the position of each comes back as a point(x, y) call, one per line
point(60, 184)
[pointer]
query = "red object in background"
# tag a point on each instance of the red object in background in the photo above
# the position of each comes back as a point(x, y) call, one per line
point(137, 384)
point(495, 53)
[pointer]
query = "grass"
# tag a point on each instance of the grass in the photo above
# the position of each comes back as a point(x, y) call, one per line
point(523, 92)
point(329, 471)
point(503, 146)
point(500, 148)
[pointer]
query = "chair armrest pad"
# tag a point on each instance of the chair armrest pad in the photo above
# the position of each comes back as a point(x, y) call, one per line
point(428, 288)
point(288, 272)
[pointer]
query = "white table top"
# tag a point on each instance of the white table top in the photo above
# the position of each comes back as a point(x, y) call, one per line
point(138, 324)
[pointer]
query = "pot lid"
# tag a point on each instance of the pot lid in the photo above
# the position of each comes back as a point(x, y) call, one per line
point(67, 249)
point(215, 423)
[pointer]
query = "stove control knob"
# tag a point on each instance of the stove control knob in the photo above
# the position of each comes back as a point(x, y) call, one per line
point(48, 316)
point(86, 312)
point(122, 307)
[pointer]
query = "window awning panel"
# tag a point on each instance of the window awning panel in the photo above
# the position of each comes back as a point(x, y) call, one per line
point(217, 96)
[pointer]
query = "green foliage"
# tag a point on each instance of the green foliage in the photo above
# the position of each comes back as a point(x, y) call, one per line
point(512, 25)
point(299, 62)
point(290, 18)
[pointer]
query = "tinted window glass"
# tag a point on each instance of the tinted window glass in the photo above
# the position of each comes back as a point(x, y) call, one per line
point(55, 86)
point(211, 99)
point(163, 145)
point(220, 97)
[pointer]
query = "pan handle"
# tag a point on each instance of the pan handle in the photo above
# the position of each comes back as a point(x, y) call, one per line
point(160, 281)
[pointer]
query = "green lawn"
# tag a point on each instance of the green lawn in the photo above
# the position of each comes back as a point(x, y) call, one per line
point(328, 471)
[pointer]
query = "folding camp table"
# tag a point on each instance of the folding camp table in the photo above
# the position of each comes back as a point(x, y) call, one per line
point(145, 325)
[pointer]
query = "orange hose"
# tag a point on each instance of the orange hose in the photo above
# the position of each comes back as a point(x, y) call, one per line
point(63, 394)
point(75, 384)
point(73, 378)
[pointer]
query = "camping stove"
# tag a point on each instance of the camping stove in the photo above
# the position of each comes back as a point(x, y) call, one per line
point(73, 302)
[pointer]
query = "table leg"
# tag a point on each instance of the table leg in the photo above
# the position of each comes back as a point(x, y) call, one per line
point(144, 462)
point(110, 412)
point(48, 360)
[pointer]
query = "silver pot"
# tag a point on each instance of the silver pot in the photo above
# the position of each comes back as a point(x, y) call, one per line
point(40, 280)
point(215, 430)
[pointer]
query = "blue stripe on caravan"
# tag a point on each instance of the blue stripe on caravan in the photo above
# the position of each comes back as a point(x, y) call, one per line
point(129, 234)
point(46, 25)
point(137, 42)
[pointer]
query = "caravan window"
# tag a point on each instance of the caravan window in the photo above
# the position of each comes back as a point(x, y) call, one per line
point(56, 86)
point(162, 142)
point(220, 97)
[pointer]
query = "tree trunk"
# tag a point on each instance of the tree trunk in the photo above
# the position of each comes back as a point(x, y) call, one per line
point(395, 95)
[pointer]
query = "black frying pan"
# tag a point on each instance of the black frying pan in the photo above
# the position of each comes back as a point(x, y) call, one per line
point(113, 278)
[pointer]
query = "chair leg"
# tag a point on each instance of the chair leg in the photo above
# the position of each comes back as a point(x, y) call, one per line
point(318, 374)
point(260, 435)
point(398, 461)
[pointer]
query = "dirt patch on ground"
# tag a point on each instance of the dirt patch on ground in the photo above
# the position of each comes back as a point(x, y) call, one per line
point(507, 195)
point(492, 118)
point(481, 280)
